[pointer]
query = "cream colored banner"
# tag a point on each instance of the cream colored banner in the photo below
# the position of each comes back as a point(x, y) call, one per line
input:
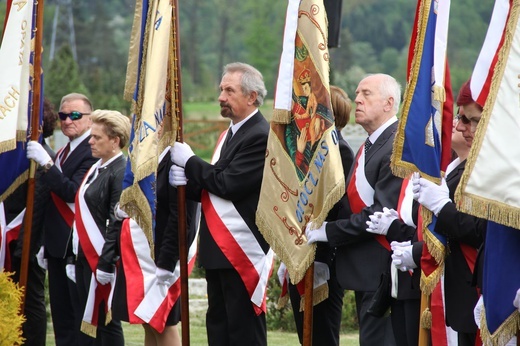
point(490, 186)
point(15, 52)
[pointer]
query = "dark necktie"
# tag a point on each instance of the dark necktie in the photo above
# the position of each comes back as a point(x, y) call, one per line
point(65, 153)
point(368, 144)
point(227, 139)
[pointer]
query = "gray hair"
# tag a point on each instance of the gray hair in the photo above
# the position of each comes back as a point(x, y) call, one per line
point(390, 87)
point(74, 97)
point(252, 80)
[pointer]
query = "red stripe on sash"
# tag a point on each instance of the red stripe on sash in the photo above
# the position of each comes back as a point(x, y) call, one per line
point(357, 204)
point(63, 209)
point(231, 249)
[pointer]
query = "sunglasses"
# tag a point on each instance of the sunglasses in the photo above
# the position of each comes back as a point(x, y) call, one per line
point(462, 118)
point(74, 115)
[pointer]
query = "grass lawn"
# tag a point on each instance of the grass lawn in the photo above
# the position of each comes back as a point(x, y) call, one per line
point(134, 336)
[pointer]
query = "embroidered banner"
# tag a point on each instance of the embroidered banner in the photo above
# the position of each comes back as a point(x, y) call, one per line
point(303, 176)
point(150, 82)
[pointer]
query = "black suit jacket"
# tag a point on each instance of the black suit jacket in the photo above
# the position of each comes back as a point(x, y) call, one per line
point(65, 184)
point(360, 258)
point(460, 296)
point(237, 177)
point(167, 218)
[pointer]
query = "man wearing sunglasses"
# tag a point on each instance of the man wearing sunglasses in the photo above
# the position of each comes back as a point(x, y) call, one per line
point(63, 177)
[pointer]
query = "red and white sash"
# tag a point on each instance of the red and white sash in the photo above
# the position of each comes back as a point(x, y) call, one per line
point(8, 233)
point(66, 210)
point(147, 300)
point(237, 242)
point(91, 240)
point(360, 193)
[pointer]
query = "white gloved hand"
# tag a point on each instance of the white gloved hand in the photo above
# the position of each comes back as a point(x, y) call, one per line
point(477, 311)
point(177, 176)
point(42, 262)
point(315, 235)
point(429, 194)
point(282, 272)
point(180, 153)
point(164, 276)
point(402, 256)
point(36, 152)
point(119, 213)
point(516, 301)
point(70, 269)
point(321, 273)
point(103, 277)
point(380, 222)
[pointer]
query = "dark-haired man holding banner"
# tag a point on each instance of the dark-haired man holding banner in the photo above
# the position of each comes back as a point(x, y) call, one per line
point(362, 257)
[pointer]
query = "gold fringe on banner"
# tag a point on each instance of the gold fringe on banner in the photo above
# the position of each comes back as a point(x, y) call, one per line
point(428, 283)
point(22, 178)
point(133, 53)
point(279, 247)
point(130, 201)
point(8, 145)
point(469, 203)
point(503, 334)
point(282, 301)
point(400, 168)
point(319, 294)
point(21, 135)
point(281, 116)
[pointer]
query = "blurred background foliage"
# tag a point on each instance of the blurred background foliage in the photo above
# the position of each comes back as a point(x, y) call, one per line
point(86, 43)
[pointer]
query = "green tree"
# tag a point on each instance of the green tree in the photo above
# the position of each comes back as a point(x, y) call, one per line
point(63, 76)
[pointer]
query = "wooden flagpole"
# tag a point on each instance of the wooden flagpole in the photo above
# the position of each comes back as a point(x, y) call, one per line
point(181, 190)
point(307, 312)
point(34, 134)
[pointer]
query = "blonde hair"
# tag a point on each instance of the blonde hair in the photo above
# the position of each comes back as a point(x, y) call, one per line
point(115, 124)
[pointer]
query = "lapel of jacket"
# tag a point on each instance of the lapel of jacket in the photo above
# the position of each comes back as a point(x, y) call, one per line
point(381, 141)
point(242, 131)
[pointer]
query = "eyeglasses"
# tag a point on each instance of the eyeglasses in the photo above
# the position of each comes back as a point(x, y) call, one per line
point(462, 118)
point(74, 115)
point(472, 122)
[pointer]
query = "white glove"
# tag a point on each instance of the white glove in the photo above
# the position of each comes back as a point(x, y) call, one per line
point(42, 262)
point(164, 276)
point(282, 272)
point(380, 222)
point(314, 235)
point(477, 311)
point(119, 213)
point(70, 269)
point(429, 194)
point(103, 277)
point(516, 301)
point(36, 152)
point(321, 273)
point(177, 176)
point(402, 257)
point(181, 153)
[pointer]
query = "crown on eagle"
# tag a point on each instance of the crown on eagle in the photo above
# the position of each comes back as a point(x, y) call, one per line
point(305, 76)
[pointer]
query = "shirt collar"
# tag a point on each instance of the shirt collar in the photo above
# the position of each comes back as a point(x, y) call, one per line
point(375, 135)
point(237, 126)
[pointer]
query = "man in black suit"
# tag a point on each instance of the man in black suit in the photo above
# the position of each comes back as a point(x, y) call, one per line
point(361, 257)
point(235, 255)
point(63, 177)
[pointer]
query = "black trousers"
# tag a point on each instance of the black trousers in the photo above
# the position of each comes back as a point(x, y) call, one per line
point(110, 334)
point(65, 311)
point(373, 331)
point(231, 319)
point(405, 321)
point(326, 316)
point(34, 328)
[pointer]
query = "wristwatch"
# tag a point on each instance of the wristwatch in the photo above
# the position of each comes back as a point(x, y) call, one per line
point(48, 165)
